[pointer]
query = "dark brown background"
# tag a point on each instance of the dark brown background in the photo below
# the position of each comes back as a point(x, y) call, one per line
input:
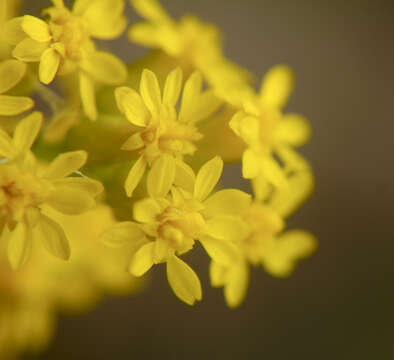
point(339, 303)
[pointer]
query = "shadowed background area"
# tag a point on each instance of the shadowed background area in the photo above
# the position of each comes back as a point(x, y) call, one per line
point(338, 304)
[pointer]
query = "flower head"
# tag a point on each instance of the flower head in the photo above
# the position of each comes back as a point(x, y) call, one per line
point(174, 217)
point(11, 73)
point(163, 131)
point(267, 132)
point(195, 44)
point(63, 44)
point(27, 188)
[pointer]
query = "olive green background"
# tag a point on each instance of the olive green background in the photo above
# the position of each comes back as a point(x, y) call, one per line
point(339, 303)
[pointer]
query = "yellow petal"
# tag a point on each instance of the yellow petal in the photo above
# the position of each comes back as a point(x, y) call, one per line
point(207, 105)
point(7, 148)
point(277, 86)
point(29, 50)
point(237, 285)
point(184, 176)
point(146, 210)
point(104, 18)
point(207, 178)
point(150, 91)
point(229, 228)
point(262, 188)
point(161, 251)
point(36, 28)
point(161, 176)
point(221, 251)
point(235, 122)
point(88, 96)
point(14, 105)
point(122, 233)
point(49, 64)
point(293, 129)
point(12, 30)
point(251, 164)
point(281, 258)
point(135, 175)
point(190, 97)
point(172, 87)
point(53, 237)
point(150, 9)
point(273, 172)
point(93, 187)
point(183, 281)
point(19, 245)
point(11, 73)
point(104, 67)
point(26, 131)
point(65, 164)
point(217, 274)
point(142, 260)
point(226, 202)
point(130, 103)
point(69, 200)
point(134, 142)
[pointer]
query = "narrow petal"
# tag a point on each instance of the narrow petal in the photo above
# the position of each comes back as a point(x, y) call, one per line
point(277, 86)
point(293, 129)
point(151, 10)
point(183, 281)
point(121, 234)
point(7, 148)
point(208, 104)
point(92, 187)
point(11, 73)
point(53, 237)
point(27, 131)
point(190, 97)
point(19, 245)
point(29, 50)
point(207, 178)
point(130, 103)
point(49, 64)
point(150, 91)
point(135, 175)
point(146, 210)
point(88, 96)
point(221, 251)
point(142, 260)
point(251, 164)
point(172, 87)
point(273, 172)
point(161, 176)
point(65, 164)
point(229, 228)
point(104, 67)
point(14, 105)
point(161, 251)
point(184, 176)
point(227, 202)
point(36, 28)
point(134, 142)
point(70, 201)
point(282, 256)
point(12, 30)
point(217, 274)
point(237, 285)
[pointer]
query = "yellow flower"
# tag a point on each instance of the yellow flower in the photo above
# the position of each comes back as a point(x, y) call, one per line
point(169, 224)
point(266, 244)
point(26, 189)
point(267, 132)
point(162, 130)
point(195, 44)
point(63, 44)
point(11, 73)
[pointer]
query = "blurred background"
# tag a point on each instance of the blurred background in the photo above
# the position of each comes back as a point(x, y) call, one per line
point(338, 304)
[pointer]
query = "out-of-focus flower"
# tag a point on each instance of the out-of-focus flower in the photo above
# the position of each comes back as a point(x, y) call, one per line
point(27, 188)
point(63, 44)
point(168, 225)
point(162, 129)
point(195, 44)
point(267, 132)
point(11, 73)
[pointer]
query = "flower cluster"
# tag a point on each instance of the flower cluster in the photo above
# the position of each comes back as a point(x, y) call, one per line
point(144, 179)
